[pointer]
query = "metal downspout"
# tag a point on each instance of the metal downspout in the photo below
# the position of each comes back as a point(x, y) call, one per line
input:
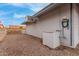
point(71, 25)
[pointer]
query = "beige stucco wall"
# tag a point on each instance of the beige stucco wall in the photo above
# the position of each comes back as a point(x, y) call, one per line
point(51, 22)
point(48, 22)
point(65, 12)
point(75, 25)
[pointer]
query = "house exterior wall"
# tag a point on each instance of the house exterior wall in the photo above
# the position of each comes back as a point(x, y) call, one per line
point(75, 25)
point(51, 22)
point(48, 22)
point(65, 12)
point(32, 30)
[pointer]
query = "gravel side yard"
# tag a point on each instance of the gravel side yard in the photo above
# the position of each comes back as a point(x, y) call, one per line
point(18, 44)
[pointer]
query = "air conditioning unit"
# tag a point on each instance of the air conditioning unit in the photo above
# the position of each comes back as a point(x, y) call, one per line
point(32, 19)
point(51, 39)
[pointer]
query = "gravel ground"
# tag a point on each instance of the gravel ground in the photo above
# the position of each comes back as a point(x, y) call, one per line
point(17, 44)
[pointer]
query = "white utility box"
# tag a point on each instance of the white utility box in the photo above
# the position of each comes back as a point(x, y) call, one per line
point(51, 39)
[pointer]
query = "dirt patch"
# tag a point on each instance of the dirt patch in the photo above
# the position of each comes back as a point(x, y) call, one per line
point(25, 45)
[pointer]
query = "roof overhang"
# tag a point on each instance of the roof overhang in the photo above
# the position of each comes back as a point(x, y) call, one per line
point(44, 10)
point(47, 8)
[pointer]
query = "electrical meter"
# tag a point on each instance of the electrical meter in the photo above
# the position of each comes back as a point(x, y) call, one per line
point(65, 23)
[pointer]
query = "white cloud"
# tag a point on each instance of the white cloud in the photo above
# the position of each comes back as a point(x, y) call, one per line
point(16, 4)
point(33, 6)
point(37, 6)
point(19, 15)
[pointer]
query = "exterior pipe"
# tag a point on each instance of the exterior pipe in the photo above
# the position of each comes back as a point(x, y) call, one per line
point(71, 25)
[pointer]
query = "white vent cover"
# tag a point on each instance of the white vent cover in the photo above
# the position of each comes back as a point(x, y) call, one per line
point(51, 39)
point(35, 19)
point(32, 19)
point(28, 18)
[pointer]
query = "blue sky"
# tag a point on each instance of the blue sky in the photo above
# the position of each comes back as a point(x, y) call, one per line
point(14, 13)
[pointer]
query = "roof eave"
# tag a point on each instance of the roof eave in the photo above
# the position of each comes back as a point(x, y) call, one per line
point(50, 6)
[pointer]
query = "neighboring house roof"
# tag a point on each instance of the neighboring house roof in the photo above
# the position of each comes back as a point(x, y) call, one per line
point(47, 8)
